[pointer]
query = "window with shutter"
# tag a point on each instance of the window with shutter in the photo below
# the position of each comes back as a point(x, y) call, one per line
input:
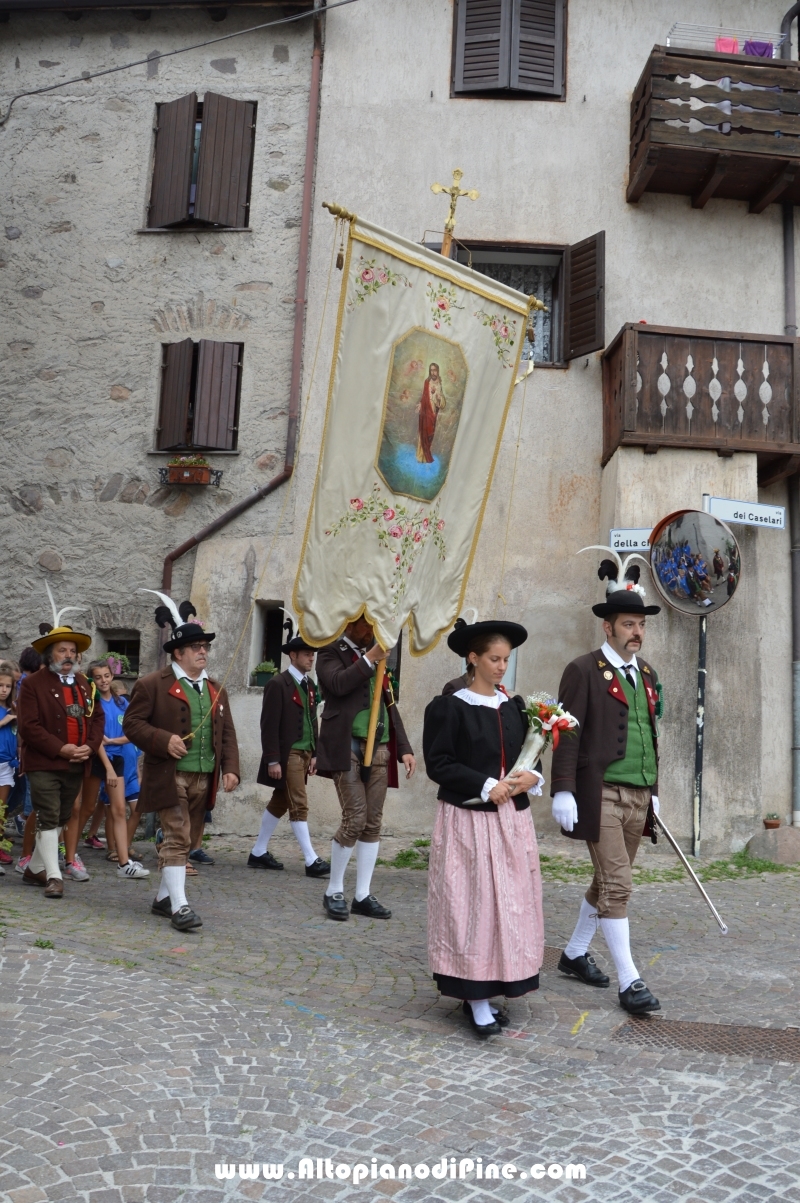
point(172, 166)
point(199, 406)
point(217, 395)
point(203, 163)
point(225, 160)
point(176, 390)
point(585, 296)
point(537, 46)
point(510, 47)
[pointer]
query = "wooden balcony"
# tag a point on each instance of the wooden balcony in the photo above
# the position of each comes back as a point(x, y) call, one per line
point(706, 390)
point(724, 125)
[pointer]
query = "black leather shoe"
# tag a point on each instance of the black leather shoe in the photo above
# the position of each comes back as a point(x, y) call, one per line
point(370, 907)
point(184, 919)
point(164, 907)
point(482, 1030)
point(267, 861)
point(320, 868)
point(336, 906)
point(585, 968)
point(637, 999)
point(500, 1017)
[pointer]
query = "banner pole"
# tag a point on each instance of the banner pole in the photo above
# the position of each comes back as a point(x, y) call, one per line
point(380, 669)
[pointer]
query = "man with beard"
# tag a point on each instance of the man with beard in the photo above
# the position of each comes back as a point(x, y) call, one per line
point(60, 729)
point(605, 785)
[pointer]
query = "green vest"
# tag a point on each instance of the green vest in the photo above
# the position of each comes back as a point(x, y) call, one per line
point(638, 766)
point(200, 757)
point(361, 721)
point(306, 741)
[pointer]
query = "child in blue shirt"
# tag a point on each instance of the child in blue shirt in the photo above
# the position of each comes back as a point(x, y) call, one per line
point(8, 757)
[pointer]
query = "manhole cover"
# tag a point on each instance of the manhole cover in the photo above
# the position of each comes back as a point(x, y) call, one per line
point(765, 1044)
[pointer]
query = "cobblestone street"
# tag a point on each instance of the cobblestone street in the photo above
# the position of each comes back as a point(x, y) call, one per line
point(135, 1060)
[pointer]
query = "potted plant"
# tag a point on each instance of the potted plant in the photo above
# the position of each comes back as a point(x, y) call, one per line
point(189, 470)
point(771, 822)
point(120, 665)
point(263, 672)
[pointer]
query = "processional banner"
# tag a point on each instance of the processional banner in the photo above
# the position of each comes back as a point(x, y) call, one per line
point(424, 363)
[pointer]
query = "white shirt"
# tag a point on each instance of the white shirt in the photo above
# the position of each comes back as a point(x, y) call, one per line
point(298, 676)
point(615, 659)
point(358, 650)
point(65, 679)
point(182, 675)
point(494, 702)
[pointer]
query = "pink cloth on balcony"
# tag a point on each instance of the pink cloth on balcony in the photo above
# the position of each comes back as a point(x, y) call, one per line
point(758, 49)
point(727, 45)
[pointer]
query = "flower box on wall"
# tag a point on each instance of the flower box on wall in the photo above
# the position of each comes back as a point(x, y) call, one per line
point(190, 470)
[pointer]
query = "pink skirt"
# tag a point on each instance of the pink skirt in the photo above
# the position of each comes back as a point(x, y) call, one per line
point(485, 923)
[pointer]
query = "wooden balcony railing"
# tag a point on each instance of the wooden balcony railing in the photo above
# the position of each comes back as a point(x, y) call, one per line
point(704, 389)
point(724, 125)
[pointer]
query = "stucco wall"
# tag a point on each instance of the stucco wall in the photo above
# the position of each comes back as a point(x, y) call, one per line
point(552, 172)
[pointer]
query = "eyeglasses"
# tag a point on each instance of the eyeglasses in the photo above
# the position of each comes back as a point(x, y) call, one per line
point(199, 647)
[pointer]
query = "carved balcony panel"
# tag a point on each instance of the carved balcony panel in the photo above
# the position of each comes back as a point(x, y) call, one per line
point(724, 125)
point(704, 389)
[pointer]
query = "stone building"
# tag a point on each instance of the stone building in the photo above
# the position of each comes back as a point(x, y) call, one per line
point(663, 216)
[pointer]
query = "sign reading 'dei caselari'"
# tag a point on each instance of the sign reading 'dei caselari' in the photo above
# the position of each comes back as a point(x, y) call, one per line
point(423, 370)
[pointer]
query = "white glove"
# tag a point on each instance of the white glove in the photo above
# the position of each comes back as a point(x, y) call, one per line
point(656, 805)
point(565, 809)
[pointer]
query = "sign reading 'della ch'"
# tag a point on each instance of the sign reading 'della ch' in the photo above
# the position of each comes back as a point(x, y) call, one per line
point(634, 539)
point(748, 513)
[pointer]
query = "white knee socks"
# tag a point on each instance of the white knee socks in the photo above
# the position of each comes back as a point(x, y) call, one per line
point(584, 931)
point(268, 825)
point(366, 855)
point(173, 882)
point(482, 1013)
point(339, 858)
point(300, 830)
point(618, 939)
point(45, 854)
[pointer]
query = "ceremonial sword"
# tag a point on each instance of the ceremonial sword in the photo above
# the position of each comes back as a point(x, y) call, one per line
point(722, 926)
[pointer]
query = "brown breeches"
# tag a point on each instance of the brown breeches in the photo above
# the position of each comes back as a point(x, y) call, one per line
point(622, 818)
point(362, 802)
point(182, 824)
point(291, 793)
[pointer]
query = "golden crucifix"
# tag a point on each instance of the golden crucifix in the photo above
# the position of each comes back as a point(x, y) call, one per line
point(454, 193)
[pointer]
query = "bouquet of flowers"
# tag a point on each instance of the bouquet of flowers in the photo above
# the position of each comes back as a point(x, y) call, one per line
point(547, 719)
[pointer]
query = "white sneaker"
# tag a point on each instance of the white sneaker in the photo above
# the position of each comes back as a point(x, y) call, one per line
point(132, 869)
point(76, 871)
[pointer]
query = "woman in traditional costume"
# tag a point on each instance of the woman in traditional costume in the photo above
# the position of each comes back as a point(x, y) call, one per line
point(485, 925)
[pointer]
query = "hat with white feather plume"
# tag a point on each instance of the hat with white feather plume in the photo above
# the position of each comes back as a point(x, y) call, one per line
point(624, 594)
point(58, 632)
point(177, 617)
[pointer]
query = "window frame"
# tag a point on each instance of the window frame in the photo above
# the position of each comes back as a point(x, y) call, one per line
point(194, 396)
point(509, 93)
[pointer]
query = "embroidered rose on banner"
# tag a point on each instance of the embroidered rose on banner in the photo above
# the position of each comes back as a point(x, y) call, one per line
point(369, 277)
point(504, 332)
point(442, 298)
point(400, 531)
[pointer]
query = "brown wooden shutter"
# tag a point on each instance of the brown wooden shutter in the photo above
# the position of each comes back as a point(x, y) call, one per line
point(585, 296)
point(176, 382)
point(216, 395)
point(483, 45)
point(226, 155)
point(537, 46)
point(172, 169)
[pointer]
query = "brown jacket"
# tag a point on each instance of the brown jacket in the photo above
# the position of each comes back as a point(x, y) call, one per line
point(42, 722)
point(455, 685)
point(590, 690)
point(344, 680)
point(282, 722)
point(158, 710)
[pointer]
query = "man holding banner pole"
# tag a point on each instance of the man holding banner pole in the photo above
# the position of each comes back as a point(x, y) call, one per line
point(361, 741)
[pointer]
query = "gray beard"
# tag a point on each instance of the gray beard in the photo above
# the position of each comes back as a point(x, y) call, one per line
point(60, 671)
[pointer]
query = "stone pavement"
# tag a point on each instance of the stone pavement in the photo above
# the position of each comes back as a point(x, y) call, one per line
point(135, 1060)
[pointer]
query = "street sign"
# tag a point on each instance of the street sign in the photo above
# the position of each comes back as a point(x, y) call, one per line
point(748, 513)
point(635, 539)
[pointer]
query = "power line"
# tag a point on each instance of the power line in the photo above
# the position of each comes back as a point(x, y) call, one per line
point(85, 76)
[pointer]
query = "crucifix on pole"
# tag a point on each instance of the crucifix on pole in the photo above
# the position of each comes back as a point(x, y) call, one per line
point(454, 192)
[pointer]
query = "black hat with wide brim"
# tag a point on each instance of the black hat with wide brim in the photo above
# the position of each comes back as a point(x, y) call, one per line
point(190, 632)
point(623, 601)
point(297, 644)
point(464, 633)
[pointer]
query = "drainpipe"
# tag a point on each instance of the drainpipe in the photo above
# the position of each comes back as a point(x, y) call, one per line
point(297, 347)
point(790, 328)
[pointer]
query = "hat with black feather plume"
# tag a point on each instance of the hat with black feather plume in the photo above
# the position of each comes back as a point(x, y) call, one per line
point(294, 643)
point(177, 617)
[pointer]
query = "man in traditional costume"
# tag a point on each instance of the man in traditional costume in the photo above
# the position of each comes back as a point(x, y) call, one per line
point(60, 729)
point(181, 719)
point(289, 732)
point(431, 402)
point(605, 782)
point(346, 674)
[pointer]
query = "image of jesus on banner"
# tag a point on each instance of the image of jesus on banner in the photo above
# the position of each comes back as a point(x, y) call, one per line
point(431, 404)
